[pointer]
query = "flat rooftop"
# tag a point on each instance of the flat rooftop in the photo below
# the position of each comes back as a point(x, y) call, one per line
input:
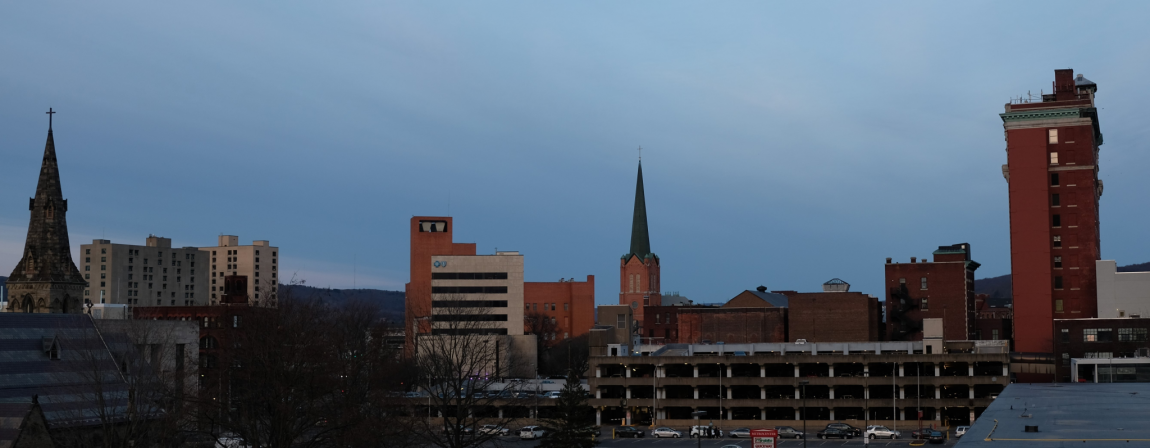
point(1067, 414)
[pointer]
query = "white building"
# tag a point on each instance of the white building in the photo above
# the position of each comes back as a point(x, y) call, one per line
point(1122, 294)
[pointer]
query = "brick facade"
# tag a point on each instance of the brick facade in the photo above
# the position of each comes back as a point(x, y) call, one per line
point(833, 316)
point(701, 325)
point(941, 289)
point(570, 303)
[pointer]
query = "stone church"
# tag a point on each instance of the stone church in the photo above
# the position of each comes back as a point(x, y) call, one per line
point(45, 279)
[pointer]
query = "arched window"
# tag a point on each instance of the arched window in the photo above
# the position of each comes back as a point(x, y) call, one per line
point(208, 343)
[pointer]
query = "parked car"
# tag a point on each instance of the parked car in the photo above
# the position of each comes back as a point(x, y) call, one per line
point(959, 431)
point(937, 437)
point(628, 431)
point(848, 428)
point(835, 433)
point(462, 430)
point(697, 430)
point(494, 429)
point(882, 432)
point(666, 432)
point(531, 432)
point(552, 394)
point(787, 432)
point(740, 432)
point(920, 434)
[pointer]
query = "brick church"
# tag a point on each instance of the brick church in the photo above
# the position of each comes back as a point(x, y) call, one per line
point(639, 268)
point(45, 279)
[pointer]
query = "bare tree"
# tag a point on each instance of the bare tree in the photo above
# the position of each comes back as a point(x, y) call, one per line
point(569, 355)
point(133, 377)
point(461, 363)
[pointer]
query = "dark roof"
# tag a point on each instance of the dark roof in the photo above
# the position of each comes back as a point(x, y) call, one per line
point(640, 238)
point(1082, 81)
point(836, 281)
point(67, 387)
point(775, 299)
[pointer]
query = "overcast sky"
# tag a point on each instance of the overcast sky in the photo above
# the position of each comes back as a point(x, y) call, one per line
point(783, 144)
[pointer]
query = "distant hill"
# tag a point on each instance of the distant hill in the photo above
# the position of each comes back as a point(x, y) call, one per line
point(390, 302)
point(999, 287)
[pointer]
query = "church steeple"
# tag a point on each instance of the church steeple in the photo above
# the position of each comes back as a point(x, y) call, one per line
point(45, 279)
point(640, 239)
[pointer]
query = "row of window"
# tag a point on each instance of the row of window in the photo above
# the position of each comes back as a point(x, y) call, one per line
point(468, 275)
point(1107, 335)
point(469, 317)
point(469, 304)
point(469, 290)
point(546, 307)
point(922, 282)
point(469, 331)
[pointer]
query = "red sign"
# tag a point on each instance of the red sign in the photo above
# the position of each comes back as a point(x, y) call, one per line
point(764, 438)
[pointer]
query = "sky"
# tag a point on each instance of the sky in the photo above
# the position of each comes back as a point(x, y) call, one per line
point(784, 143)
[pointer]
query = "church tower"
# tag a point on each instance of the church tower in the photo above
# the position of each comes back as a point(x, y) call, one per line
point(45, 279)
point(639, 268)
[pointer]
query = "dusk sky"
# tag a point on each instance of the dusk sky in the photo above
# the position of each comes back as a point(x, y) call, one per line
point(783, 144)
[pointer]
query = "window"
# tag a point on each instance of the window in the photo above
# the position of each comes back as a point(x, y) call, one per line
point(527, 305)
point(621, 321)
point(87, 251)
point(902, 281)
point(1089, 335)
point(658, 320)
point(923, 283)
point(1058, 306)
point(1053, 179)
point(103, 267)
point(235, 321)
point(924, 304)
point(1132, 334)
point(1052, 136)
point(87, 267)
point(1057, 241)
point(1056, 221)
point(1105, 335)
point(1058, 282)
point(534, 307)
point(1054, 158)
point(104, 251)
point(1057, 262)
point(1065, 335)
point(103, 259)
point(1054, 200)
point(565, 307)
point(88, 259)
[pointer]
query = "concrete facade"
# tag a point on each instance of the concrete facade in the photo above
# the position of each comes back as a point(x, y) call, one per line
point(880, 382)
point(1122, 294)
point(477, 293)
point(154, 274)
point(259, 262)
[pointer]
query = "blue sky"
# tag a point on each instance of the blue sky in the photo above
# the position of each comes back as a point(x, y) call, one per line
point(784, 144)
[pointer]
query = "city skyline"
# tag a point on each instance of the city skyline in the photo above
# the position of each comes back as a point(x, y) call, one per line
point(767, 162)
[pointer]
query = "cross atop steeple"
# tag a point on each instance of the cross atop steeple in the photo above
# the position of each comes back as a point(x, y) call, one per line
point(50, 112)
point(640, 147)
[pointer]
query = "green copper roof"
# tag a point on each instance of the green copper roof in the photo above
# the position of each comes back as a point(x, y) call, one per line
point(640, 239)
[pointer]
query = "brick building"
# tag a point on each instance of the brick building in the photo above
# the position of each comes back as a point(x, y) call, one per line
point(639, 269)
point(1098, 338)
point(940, 289)
point(994, 319)
point(569, 304)
point(709, 325)
point(834, 315)
point(1052, 172)
point(491, 286)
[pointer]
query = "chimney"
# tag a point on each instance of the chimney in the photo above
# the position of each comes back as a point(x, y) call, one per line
point(1064, 85)
point(913, 259)
point(887, 260)
point(761, 288)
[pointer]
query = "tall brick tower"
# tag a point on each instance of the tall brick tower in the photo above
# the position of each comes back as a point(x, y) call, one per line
point(45, 279)
point(1052, 172)
point(639, 268)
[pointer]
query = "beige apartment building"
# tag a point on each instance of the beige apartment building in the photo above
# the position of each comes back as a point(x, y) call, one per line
point(259, 262)
point(154, 274)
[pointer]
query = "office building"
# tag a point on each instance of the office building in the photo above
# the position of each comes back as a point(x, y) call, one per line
point(259, 262)
point(1113, 338)
point(154, 274)
point(45, 279)
point(1052, 171)
point(836, 314)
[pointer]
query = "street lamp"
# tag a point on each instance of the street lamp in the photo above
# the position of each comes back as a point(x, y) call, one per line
point(866, 403)
point(698, 429)
point(804, 383)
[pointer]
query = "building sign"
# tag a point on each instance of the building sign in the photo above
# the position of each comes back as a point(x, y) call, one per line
point(764, 438)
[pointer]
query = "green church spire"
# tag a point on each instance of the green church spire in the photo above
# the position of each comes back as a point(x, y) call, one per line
point(640, 239)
